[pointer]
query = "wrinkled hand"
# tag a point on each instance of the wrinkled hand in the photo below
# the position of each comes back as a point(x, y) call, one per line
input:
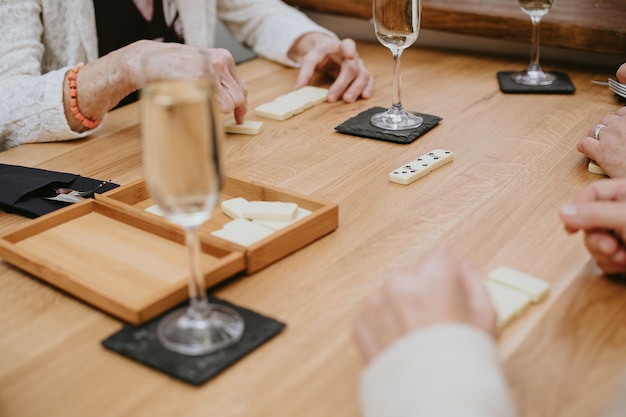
point(600, 212)
point(340, 60)
point(609, 150)
point(436, 289)
point(182, 60)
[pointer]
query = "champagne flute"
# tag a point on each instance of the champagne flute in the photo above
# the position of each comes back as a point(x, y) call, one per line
point(534, 75)
point(397, 24)
point(181, 138)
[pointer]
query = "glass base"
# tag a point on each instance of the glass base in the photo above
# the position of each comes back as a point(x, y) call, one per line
point(215, 328)
point(534, 77)
point(396, 118)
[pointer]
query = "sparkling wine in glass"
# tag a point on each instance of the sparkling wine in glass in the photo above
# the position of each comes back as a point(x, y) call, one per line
point(397, 24)
point(534, 75)
point(181, 137)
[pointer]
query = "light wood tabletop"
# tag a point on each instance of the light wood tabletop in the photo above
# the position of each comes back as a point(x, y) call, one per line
point(495, 204)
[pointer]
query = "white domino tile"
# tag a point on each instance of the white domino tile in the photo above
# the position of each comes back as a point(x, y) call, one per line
point(292, 103)
point(278, 224)
point(594, 168)
point(233, 207)
point(270, 210)
point(420, 166)
point(537, 289)
point(248, 127)
point(509, 303)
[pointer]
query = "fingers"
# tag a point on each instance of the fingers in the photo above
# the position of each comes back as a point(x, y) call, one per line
point(365, 339)
point(353, 81)
point(230, 90)
point(607, 144)
point(481, 305)
point(348, 49)
point(340, 60)
point(589, 146)
point(607, 250)
point(309, 65)
point(595, 215)
point(613, 189)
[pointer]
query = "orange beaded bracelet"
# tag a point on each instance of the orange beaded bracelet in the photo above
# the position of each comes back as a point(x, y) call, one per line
point(71, 79)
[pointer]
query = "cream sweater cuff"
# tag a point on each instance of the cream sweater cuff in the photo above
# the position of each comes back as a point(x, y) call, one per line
point(442, 370)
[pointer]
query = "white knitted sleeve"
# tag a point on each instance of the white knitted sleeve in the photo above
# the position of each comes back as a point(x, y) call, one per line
point(269, 27)
point(31, 108)
point(447, 370)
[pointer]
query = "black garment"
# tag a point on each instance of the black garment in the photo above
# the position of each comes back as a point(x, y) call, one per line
point(120, 23)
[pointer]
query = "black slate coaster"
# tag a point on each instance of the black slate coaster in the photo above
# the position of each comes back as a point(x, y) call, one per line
point(140, 344)
point(562, 85)
point(360, 125)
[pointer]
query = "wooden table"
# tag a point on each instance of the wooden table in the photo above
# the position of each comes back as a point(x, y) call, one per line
point(496, 204)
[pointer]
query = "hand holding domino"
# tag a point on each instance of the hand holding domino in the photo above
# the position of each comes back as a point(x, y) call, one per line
point(435, 290)
point(406, 302)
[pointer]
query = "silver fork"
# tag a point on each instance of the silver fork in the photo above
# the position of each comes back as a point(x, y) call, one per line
point(617, 87)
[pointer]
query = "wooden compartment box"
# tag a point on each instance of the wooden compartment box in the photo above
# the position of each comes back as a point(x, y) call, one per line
point(113, 254)
point(323, 220)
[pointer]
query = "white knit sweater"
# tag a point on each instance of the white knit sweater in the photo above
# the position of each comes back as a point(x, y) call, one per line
point(41, 39)
point(447, 370)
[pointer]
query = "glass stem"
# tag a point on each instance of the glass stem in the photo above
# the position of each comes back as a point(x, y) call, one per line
point(396, 99)
point(534, 51)
point(198, 304)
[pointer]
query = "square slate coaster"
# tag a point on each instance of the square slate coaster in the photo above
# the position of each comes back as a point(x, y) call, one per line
point(562, 85)
point(140, 344)
point(360, 125)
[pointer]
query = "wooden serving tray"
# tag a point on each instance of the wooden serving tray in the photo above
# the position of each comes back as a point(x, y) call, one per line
point(131, 267)
point(322, 221)
point(133, 264)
